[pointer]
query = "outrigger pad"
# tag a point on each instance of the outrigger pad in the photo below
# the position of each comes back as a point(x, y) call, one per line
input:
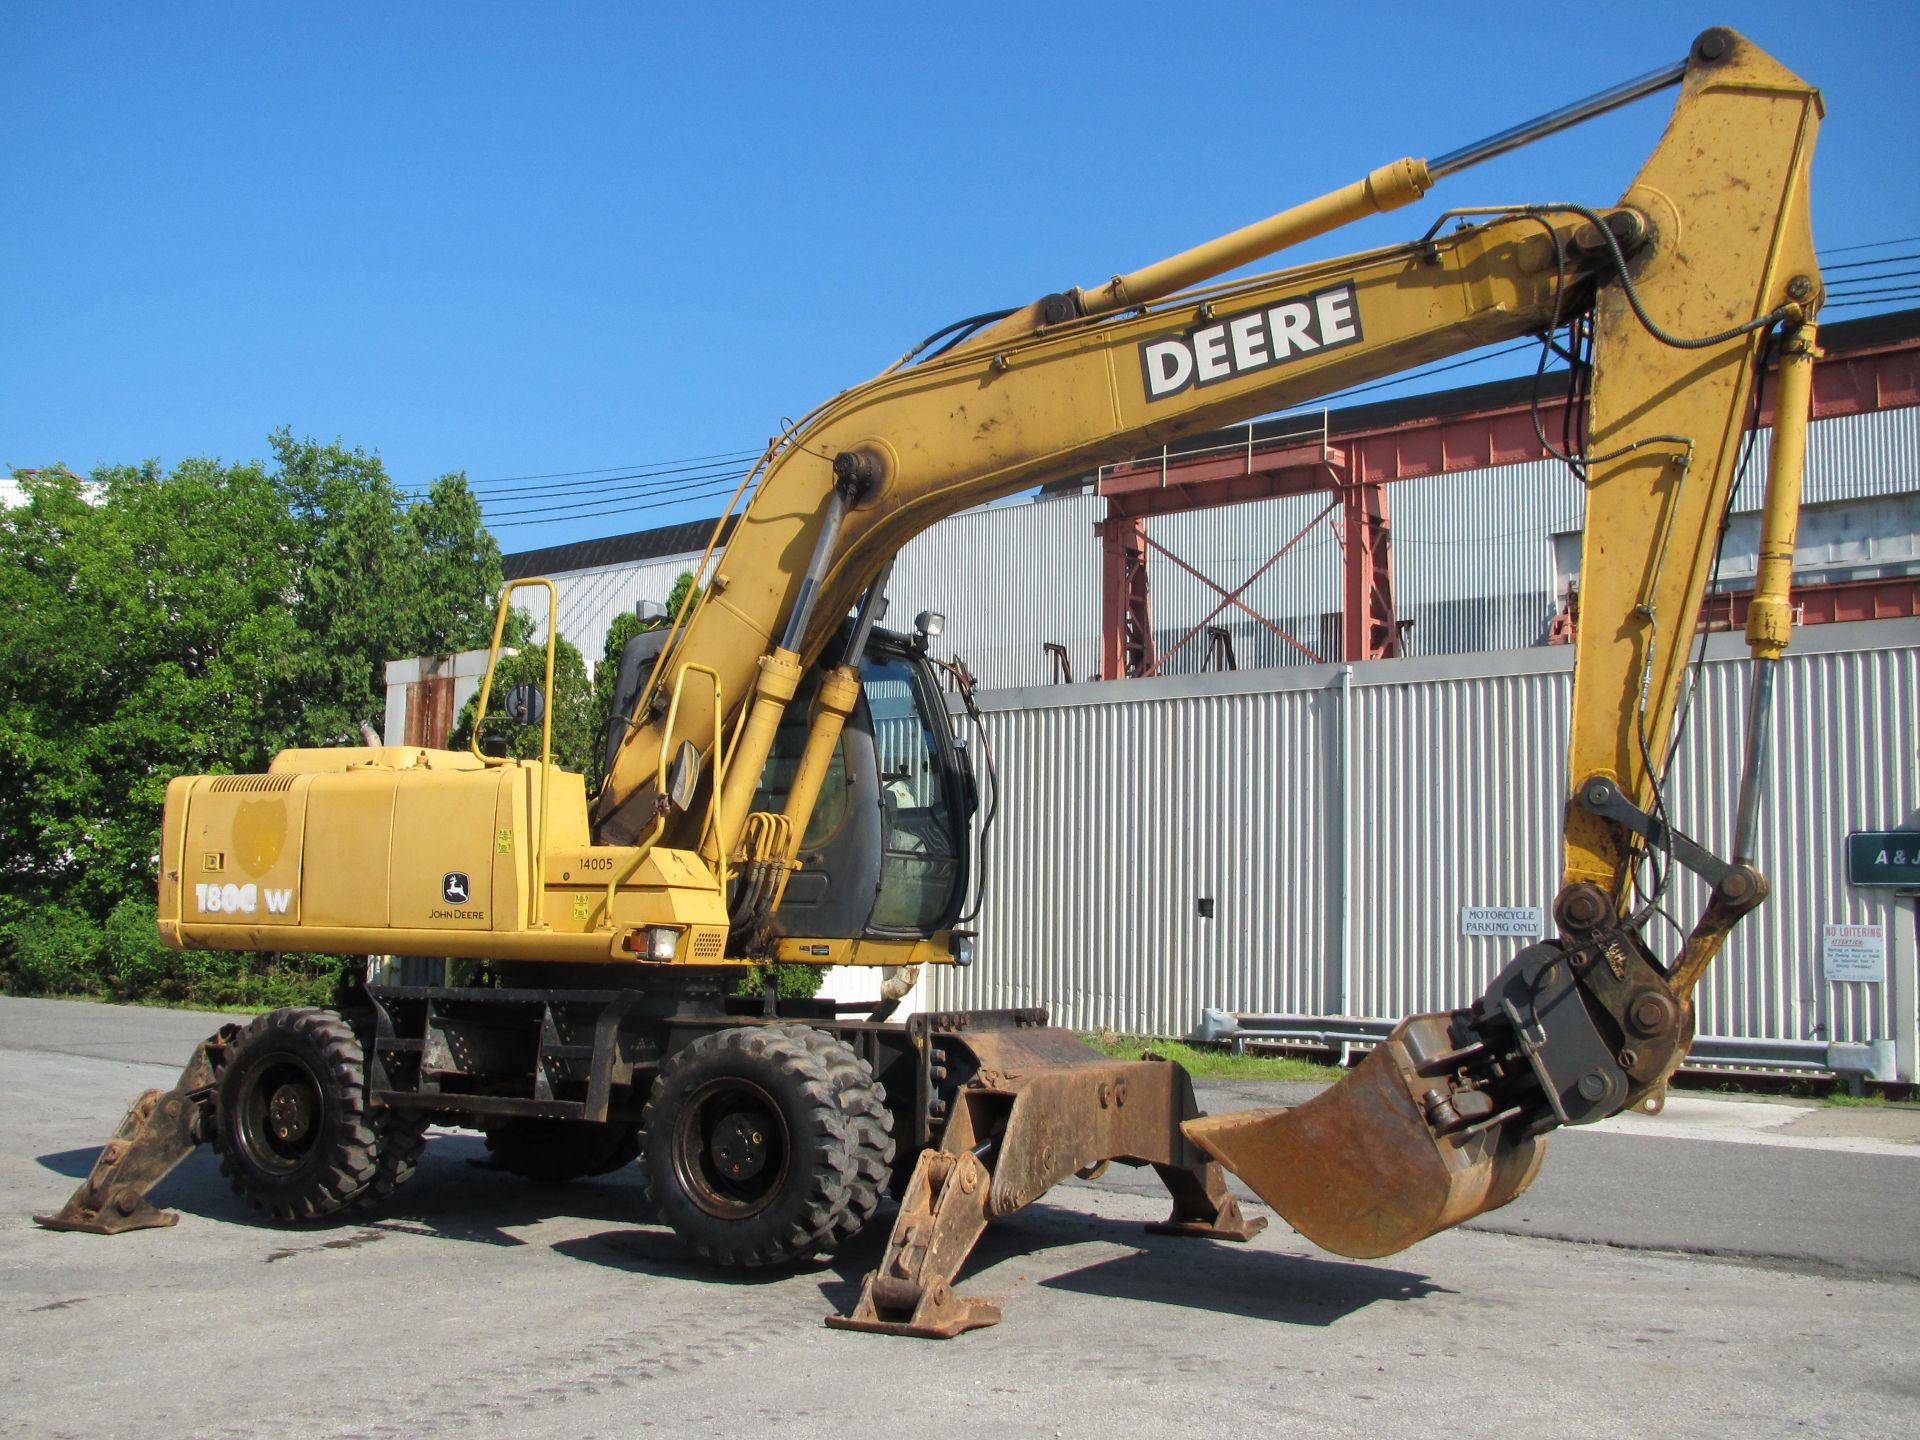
point(159, 1130)
point(1358, 1169)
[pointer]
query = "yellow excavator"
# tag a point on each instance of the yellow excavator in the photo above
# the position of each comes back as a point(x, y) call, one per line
point(785, 782)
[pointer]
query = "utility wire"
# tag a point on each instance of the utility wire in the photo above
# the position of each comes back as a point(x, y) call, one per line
point(568, 499)
point(1865, 264)
point(612, 504)
point(641, 466)
point(1868, 245)
point(549, 518)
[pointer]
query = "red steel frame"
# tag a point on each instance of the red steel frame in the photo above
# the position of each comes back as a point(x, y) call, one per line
point(1356, 465)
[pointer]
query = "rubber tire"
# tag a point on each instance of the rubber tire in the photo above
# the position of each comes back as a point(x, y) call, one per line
point(863, 1101)
point(804, 1201)
point(401, 1140)
point(325, 1174)
point(552, 1152)
point(400, 1136)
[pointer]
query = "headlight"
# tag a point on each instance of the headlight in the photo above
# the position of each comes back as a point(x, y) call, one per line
point(961, 947)
point(662, 942)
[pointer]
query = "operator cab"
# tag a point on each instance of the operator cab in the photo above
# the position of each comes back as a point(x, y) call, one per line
point(897, 801)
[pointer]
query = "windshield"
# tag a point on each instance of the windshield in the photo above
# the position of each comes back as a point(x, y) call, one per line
point(921, 866)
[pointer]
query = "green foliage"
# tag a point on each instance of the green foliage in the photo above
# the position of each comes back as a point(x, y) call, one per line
point(137, 966)
point(1211, 1061)
point(51, 950)
point(193, 621)
point(381, 580)
point(682, 586)
point(574, 741)
point(793, 982)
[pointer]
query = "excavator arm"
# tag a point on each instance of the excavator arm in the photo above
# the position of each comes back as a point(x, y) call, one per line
point(1706, 259)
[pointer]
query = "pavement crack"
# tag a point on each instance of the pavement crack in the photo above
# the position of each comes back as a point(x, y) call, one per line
point(345, 1242)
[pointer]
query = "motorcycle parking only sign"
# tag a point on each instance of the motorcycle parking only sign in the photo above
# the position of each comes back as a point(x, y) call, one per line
point(1856, 953)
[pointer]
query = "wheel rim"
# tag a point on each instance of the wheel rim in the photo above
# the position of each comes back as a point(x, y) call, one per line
point(280, 1115)
point(731, 1148)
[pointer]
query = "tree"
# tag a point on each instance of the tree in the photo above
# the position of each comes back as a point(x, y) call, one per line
point(147, 635)
point(381, 580)
point(159, 623)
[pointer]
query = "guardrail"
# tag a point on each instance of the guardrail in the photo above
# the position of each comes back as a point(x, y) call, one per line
point(1868, 1060)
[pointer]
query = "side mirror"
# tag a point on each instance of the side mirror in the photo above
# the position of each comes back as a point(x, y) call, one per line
point(683, 777)
point(525, 704)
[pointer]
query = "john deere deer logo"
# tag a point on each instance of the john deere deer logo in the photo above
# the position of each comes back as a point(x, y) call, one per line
point(454, 889)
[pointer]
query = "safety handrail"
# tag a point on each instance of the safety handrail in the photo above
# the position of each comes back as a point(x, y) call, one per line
point(652, 837)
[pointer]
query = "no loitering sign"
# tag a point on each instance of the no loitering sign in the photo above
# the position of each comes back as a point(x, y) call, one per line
point(1854, 953)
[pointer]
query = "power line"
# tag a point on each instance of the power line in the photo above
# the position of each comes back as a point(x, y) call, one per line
point(707, 476)
point(551, 519)
point(1896, 291)
point(1879, 303)
point(1868, 245)
point(1864, 264)
point(638, 465)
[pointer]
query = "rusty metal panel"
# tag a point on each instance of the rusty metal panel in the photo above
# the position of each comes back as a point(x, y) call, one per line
point(429, 716)
point(1229, 545)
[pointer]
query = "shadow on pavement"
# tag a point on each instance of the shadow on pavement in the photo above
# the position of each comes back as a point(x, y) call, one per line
point(1233, 1280)
point(447, 1199)
point(452, 1200)
point(74, 1164)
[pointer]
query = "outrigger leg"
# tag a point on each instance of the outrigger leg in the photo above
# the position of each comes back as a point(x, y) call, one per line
point(160, 1130)
point(1040, 1106)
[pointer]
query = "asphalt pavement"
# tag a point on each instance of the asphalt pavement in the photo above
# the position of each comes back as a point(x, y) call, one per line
point(1729, 1268)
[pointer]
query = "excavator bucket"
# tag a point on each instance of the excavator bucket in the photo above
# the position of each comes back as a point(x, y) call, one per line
point(159, 1130)
point(1385, 1158)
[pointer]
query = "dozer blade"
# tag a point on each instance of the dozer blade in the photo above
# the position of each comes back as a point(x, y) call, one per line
point(1359, 1170)
point(159, 1130)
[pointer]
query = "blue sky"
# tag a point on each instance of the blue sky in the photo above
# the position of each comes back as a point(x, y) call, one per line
point(524, 239)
